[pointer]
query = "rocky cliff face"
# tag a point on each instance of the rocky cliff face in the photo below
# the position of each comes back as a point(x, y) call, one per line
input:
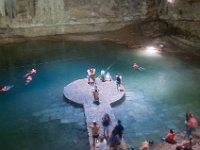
point(183, 15)
point(30, 18)
point(49, 17)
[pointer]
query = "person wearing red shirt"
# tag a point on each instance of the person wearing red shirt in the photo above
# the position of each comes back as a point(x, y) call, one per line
point(170, 137)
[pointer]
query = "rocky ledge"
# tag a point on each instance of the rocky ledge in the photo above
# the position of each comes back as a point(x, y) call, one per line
point(180, 138)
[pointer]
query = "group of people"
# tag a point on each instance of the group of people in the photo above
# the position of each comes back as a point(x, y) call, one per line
point(106, 140)
point(105, 76)
point(190, 124)
point(91, 76)
point(28, 79)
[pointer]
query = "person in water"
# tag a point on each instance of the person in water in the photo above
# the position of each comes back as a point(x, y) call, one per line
point(31, 72)
point(136, 66)
point(6, 88)
point(28, 79)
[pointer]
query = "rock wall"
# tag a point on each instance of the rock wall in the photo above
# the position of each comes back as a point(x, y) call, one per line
point(49, 17)
point(181, 14)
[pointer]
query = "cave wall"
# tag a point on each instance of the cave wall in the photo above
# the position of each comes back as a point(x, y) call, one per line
point(49, 17)
point(183, 15)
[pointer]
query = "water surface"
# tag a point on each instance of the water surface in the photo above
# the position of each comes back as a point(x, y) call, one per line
point(36, 116)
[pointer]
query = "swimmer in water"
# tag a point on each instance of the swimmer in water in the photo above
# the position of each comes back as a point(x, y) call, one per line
point(28, 80)
point(6, 88)
point(136, 66)
point(31, 72)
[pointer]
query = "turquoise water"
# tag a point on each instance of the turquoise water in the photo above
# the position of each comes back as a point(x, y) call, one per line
point(36, 116)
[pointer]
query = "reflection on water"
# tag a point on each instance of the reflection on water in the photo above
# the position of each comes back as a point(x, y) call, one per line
point(36, 116)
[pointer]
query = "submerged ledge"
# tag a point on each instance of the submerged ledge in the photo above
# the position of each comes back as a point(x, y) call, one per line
point(130, 36)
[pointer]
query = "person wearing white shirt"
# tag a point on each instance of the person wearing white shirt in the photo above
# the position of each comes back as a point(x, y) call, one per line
point(102, 144)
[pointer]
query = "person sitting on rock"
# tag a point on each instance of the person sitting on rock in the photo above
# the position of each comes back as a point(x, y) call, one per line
point(185, 145)
point(170, 137)
point(145, 146)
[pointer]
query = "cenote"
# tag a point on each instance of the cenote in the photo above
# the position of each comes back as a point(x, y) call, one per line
point(37, 117)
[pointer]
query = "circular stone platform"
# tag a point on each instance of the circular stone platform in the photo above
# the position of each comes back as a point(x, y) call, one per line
point(80, 91)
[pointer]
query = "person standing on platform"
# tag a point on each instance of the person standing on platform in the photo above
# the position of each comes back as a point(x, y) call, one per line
point(118, 81)
point(102, 144)
point(106, 123)
point(114, 140)
point(95, 132)
point(119, 129)
point(91, 75)
point(96, 96)
point(103, 76)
